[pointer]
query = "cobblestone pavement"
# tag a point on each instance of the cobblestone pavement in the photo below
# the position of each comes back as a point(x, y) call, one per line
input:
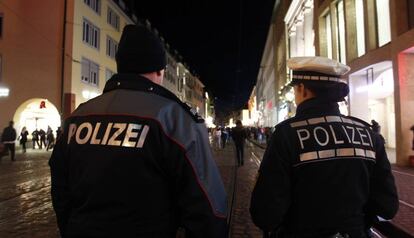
point(25, 203)
point(26, 209)
point(404, 178)
point(241, 225)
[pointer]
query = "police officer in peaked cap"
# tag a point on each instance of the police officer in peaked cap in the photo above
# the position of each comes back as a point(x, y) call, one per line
point(135, 161)
point(323, 174)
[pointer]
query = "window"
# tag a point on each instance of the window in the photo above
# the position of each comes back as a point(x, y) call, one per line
point(108, 74)
point(1, 25)
point(341, 32)
point(111, 47)
point(1, 68)
point(410, 12)
point(90, 72)
point(328, 29)
point(383, 22)
point(113, 18)
point(94, 4)
point(360, 27)
point(91, 34)
point(300, 29)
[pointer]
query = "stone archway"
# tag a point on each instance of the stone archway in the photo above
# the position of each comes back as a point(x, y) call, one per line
point(36, 113)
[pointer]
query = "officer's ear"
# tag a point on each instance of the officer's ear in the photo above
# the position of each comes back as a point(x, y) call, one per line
point(160, 73)
point(299, 89)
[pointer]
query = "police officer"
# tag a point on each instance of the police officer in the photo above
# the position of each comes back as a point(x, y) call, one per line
point(134, 161)
point(323, 174)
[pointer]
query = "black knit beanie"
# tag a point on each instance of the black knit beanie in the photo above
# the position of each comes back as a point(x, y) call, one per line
point(140, 51)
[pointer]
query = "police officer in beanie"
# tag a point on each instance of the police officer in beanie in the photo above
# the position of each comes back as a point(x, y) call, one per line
point(135, 161)
point(323, 174)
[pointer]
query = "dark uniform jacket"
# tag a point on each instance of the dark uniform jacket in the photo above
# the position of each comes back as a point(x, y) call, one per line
point(135, 162)
point(322, 173)
point(9, 134)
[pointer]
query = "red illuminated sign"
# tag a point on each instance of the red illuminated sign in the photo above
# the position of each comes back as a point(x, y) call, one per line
point(42, 104)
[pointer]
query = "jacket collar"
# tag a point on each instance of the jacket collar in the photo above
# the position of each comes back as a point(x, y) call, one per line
point(138, 83)
point(315, 106)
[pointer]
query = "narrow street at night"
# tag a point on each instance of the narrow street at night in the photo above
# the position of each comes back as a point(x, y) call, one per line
point(26, 207)
point(135, 99)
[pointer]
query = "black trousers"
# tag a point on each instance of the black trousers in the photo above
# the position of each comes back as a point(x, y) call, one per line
point(42, 143)
point(11, 148)
point(240, 153)
point(23, 143)
point(35, 142)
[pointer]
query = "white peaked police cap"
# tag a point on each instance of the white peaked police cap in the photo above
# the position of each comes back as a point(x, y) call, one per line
point(322, 73)
point(318, 64)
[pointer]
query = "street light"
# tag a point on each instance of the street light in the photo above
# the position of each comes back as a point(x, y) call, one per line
point(4, 92)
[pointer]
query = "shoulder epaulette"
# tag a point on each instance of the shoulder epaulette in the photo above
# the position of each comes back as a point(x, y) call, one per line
point(360, 121)
point(193, 112)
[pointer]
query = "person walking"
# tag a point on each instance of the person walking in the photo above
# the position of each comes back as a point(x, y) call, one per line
point(140, 169)
point(8, 138)
point(42, 136)
point(35, 138)
point(224, 136)
point(217, 135)
point(323, 174)
point(50, 138)
point(23, 138)
point(239, 136)
point(58, 132)
point(376, 127)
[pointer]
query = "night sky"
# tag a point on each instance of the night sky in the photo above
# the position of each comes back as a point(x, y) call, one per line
point(221, 41)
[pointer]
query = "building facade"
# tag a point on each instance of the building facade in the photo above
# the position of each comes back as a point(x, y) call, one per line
point(376, 39)
point(31, 43)
point(266, 83)
point(252, 107)
point(55, 55)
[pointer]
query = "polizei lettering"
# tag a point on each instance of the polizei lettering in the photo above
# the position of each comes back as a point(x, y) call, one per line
point(330, 135)
point(112, 134)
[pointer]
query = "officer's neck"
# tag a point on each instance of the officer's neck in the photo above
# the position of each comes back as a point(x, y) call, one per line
point(316, 105)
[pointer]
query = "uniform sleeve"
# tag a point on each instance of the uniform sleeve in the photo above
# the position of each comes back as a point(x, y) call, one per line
point(383, 199)
point(271, 195)
point(59, 185)
point(200, 195)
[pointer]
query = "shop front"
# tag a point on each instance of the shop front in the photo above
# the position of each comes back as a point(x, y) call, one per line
point(372, 98)
point(36, 113)
point(405, 111)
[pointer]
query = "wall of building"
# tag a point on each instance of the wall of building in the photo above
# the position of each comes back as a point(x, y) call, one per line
point(405, 106)
point(30, 48)
point(81, 49)
point(377, 50)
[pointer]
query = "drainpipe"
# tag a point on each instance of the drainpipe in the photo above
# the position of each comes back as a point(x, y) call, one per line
point(62, 93)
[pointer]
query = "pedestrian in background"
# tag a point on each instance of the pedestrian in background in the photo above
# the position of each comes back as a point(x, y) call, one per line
point(376, 127)
point(50, 139)
point(323, 174)
point(138, 169)
point(58, 132)
point(217, 136)
point(23, 138)
point(224, 136)
point(35, 138)
point(239, 136)
point(8, 138)
point(42, 137)
point(412, 129)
